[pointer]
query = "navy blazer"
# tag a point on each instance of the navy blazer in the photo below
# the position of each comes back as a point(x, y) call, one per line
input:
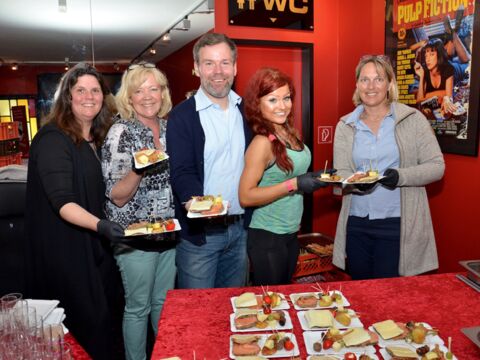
point(185, 147)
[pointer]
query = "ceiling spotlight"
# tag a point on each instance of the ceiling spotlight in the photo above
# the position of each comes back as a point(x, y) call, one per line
point(166, 37)
point(152, 51)
point(67, 63)
point(116, 67)
point(14, 66)
point(186, 23)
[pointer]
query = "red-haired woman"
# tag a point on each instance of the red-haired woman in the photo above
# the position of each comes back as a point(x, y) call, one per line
point(274, 177)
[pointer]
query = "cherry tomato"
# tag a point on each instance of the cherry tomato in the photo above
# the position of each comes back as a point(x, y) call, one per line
point(327, 343)
point(350, 356)
point(170, 226)
point(288, 345)
point(267, 310)
point(267, 299)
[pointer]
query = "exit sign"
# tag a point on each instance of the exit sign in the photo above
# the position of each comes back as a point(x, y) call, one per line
point(285, 14)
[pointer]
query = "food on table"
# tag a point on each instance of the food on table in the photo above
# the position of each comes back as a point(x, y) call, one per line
point(137, 228)
point(325, 300)
point(349, 356)
point(275, 342)
point(372, 173)
point(307, 301)
point(243, 345)
point(388, 329)
point(422, 350)
point(270, 298)
point(245, 319)
point(401, 353)
point(343, 317)
point(329, 177)
point(319, 318)
point(365, 357)
point(418, 332)
point(249, 318)
point(323, 357)
point(149, 156)
point(253, 357)
point(359, 337)
point(246, 300)
point(317, 346)
point(434, 354)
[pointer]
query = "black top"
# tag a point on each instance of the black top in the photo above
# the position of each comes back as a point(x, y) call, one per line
point(67, 262)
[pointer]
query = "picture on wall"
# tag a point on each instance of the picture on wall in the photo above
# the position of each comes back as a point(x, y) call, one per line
point(433, 51)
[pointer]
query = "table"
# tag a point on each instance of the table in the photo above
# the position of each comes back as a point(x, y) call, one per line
point(77, 350)
point(198, 320)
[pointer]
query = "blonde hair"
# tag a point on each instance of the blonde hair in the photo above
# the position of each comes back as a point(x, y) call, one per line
point(382, 63)
point(132, 79)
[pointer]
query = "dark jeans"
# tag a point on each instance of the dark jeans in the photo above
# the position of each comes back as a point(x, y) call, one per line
point(273, 257)
point(373, 247)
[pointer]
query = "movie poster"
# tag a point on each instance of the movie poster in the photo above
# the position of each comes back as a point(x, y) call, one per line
point(431, 46)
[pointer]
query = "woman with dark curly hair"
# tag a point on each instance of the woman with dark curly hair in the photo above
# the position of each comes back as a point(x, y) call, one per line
point(435, 75)
point(274, 177)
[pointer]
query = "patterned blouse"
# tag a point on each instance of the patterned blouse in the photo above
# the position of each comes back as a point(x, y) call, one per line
point(154, 197)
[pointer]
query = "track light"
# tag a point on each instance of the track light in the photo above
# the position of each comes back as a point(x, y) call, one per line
point(62, 6)
point(166, 37)
point(186, 23)
point(152, 51)
point(14, 66)
point(67, 63)
point(116, 67)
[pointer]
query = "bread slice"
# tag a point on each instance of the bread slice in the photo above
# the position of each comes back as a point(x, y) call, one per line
point(356, 336)
point(319, 318)
point(387, 329)
point(246, 300)
point(401, 353)
point(198, 206)
point(140, 228)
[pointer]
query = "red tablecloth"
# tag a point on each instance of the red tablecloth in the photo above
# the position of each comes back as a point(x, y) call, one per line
point(198, 320)
point(77, 350)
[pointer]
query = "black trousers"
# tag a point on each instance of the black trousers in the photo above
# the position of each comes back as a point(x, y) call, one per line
point(273, 257)
point(373, 247)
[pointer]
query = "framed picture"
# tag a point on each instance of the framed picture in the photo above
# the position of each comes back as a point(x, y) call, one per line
point(436, 59)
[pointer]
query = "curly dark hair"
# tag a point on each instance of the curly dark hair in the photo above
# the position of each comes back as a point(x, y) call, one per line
point(436, 45)
point(263, 82)
point(62, 115)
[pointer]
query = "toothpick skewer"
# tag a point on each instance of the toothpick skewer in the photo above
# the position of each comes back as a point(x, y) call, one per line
point(325, 171)
point(450, 344)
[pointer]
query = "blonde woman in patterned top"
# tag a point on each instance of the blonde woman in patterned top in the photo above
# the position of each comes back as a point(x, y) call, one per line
point(147, 265)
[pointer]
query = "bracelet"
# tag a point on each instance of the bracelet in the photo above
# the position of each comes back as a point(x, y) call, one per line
point(289, 185)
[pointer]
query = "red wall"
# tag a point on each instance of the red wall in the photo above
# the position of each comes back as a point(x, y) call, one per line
point(344, 31)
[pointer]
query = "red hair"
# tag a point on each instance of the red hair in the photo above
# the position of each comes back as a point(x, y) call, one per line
point(263, 82)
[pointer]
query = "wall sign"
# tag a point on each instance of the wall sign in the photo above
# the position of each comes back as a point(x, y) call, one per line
point(436, 58)
point(285, 14)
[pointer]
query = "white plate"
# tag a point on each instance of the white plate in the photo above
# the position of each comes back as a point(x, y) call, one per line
point(288, 325)
point(177, 228)
point(386, 355)
point(194, 215)
point(141, 166)
point(362, 182)
point(295, 296)
point(283, 304)
point(280, 353)
point(355, 322)
point(310, 337)
point(339, 357)
point(43, 307)
point(429, 340)
point(55, 317)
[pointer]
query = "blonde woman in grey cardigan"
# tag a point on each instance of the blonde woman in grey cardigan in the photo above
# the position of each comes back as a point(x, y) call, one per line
point(385, 229)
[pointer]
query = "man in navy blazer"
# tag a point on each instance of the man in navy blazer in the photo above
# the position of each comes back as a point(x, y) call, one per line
point(207, 136)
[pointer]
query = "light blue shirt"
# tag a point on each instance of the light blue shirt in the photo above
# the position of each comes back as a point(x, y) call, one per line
point(224, 147)
point(379, 152)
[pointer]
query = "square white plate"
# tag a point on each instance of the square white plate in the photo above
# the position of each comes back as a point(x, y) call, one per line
point(280, 353)
point(303, 322)
point(310, 337)
point(295, 296)
point(283, 304)
point(387, 356)
point(288, 325)
point(177, 228)
point(373, 356)
point(43, 307)
point(194, 215)
point(429, 340)
point(346, 182)
point(55, 317)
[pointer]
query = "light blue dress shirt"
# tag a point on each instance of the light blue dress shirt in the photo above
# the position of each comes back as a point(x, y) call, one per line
point(379, 152)
point(224, 147)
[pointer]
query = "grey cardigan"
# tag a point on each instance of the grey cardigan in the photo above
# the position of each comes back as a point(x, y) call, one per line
point(421, 163)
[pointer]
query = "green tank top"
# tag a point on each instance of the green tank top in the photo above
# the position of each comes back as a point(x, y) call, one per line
point(282, 216)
